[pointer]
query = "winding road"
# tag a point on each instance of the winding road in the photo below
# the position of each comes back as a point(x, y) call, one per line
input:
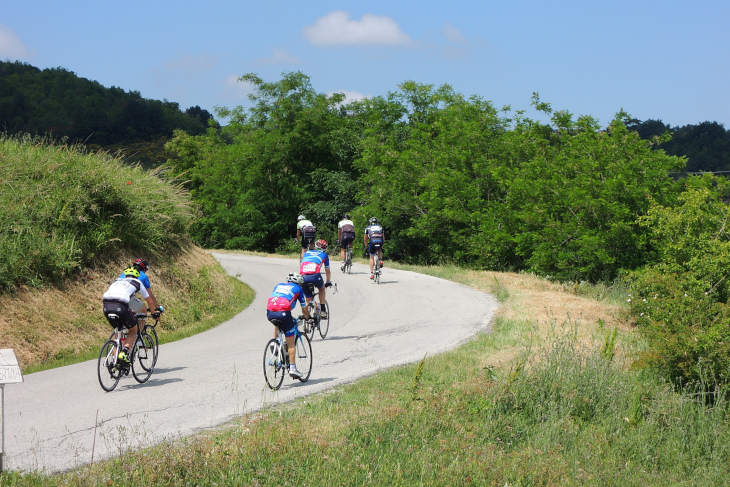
point(58, 419)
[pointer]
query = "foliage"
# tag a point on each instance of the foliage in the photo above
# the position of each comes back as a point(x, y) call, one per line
point(681, 301)
point(56, 101)
point(290, 153)
point(705, 145)
point(61, 208)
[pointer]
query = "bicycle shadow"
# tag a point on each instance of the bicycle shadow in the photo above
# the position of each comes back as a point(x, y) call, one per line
point(314, 381)
point(331, 338)
point(167, 370)
point(152, 383)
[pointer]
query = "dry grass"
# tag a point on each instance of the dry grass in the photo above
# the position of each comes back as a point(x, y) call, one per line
point(55, 322)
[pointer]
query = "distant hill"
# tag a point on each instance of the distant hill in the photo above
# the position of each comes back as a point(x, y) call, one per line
point(58, 102)
point(706, 145)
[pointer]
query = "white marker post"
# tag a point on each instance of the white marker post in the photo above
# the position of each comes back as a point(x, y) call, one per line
point(9, 374)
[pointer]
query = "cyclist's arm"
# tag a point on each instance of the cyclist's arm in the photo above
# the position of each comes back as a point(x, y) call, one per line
point(151, 301)
point(339, 234)
point(328, 274)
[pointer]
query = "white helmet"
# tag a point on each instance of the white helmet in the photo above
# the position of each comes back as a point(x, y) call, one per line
point(295, 278)
point(300, 218)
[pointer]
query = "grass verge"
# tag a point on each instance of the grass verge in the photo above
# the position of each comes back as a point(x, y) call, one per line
point(541, 400)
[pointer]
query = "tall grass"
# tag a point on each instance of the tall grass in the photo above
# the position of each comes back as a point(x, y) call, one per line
point(61, 208)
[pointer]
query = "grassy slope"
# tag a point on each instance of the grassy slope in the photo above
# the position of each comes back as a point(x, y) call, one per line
point(533, 403)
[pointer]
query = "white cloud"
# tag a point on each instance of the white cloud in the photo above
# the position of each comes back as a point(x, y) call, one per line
point(237, 89)
point(337, 28)
point(11, 47)
point(189, 64)
point(281, 56)
point(453, 34)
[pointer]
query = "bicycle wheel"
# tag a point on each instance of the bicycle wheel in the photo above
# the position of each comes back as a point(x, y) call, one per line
point(324, 323)
point(348, 262)
point(312, 322)
point(108, 369)
point(274, 369)
point(304, 357)
point(143, 358)
point(150, 330)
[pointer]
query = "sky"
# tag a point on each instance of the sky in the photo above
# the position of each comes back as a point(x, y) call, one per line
point(666, 60)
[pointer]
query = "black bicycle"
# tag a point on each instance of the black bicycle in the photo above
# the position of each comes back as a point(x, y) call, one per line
point(276, 356)
point(142, 357)
point(316, 321)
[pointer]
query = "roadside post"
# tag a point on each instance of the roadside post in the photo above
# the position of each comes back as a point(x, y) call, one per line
point(9, 374)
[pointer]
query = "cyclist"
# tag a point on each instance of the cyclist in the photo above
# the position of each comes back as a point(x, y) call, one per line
point(279, 307)
point(135, 304)
point(116, 304)
point(310, 270)
point(373, 240)
point(307, 232)
point(345, 235)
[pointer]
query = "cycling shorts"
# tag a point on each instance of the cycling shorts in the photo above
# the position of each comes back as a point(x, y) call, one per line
point(315, 279)
point(119, 315)
point(347, 241)
point(288, 323)
point(306, 241)
point(373, 247)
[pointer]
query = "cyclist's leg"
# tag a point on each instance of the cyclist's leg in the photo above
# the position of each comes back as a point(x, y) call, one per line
point(372, 253)
point(380, 255)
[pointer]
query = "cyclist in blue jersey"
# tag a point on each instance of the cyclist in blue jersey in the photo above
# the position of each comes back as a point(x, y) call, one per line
point(310, 270)
point(374, 239)
point(279, 307)
point(135, 304)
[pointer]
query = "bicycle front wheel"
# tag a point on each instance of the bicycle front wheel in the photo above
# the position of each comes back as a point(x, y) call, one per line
point(150, 330)
point(274, 368)
point(143, 360)
point(108, 369)
point(304, 357)
point(324, 323)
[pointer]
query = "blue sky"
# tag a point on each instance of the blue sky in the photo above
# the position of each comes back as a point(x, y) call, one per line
point(667, 60)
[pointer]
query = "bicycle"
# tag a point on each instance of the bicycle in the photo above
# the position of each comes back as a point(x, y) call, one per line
point(276, 356)
point(316, 321)
point(151, 330)
point(376, 269)
point(142, 357)
point(348, 261)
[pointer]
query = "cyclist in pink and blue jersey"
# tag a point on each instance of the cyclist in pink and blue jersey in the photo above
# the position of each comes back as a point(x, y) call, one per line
point(310, 270)
point(279, 307)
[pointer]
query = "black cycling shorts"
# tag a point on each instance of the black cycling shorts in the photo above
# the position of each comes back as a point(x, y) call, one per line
point(119, 315)
point(347, 241)
point(306, 241)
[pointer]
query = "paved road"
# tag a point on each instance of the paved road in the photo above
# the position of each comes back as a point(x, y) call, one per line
point(217, 375)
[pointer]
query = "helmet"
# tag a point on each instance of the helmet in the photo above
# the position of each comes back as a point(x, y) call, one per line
point(131, 272)
point(142, 264)
point(300, 218)
point(373, 221)
point(346, 217)
point(295, 278)
point(321, 244)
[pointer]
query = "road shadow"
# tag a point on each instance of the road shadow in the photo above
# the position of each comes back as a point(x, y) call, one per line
point(152, 383)
point(313, 381)
point(158, 371)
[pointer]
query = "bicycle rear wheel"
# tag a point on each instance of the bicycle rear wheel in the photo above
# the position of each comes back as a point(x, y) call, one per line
point(324, 323)
point(108, 369)
point(143, 361)
point(313, 322)
point(348, 262)
point(304, 357)
point(274, 368)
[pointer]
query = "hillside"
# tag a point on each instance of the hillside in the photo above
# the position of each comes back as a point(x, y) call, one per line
point(59, 103)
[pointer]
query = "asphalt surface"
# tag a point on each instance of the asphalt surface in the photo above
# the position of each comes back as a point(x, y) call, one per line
point(57, 419)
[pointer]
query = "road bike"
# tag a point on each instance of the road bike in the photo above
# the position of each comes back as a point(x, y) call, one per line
point(348, 261)
point(377, 270)
point(316, 321)
point(142, 356)
point(151, 330)
point(276, 356)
